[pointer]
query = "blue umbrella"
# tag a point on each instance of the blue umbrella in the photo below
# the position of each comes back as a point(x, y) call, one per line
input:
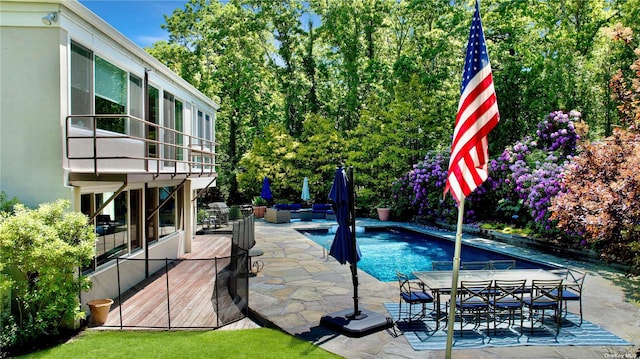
point(343, 245)
point(305, 190)
point(266, 190)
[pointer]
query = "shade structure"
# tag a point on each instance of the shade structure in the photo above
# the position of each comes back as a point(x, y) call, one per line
point(305, 190)
point(266, 190)
point(343, 246)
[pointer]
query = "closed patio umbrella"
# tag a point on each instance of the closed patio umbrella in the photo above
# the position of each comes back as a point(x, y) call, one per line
point(266, 190)
point(305, 190)
point(344, 246)
point(357, 322)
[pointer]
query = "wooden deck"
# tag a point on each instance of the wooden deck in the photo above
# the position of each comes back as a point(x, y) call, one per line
point(191, 295)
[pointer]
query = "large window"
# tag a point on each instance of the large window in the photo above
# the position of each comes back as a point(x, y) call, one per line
point(165, 209)
point(111, 225)
point(99, 87)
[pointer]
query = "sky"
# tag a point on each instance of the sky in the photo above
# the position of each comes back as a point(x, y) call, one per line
point(138, 20)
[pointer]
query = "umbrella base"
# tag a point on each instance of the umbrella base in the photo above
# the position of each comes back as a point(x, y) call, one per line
point(364, 324)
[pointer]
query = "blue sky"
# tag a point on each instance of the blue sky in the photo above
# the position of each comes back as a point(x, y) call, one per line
point(139, 20)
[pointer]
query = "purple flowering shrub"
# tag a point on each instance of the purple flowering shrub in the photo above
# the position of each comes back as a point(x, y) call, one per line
point(422, 189)
point(522, 180)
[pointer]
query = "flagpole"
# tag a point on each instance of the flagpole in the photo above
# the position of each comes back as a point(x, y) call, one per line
point(454, 279)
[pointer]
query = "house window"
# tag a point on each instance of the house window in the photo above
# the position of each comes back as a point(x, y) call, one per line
point(99, 87)
point(154, 117)
point(111, 226)
point(136, 109)
point(179, 126)
point(168, 212)
point(169, 122)
point(208, 130)
point(81, 85)
point(165, 209)
point(110, 95)
point(173, 119)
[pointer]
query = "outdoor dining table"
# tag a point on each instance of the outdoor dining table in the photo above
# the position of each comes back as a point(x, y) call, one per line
point(439, 282)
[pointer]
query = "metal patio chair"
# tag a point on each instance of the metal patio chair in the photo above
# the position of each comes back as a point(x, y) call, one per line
point(507, 298)
point(412, 293)
point(544, 297)
point(572, 289)
point(473, 297)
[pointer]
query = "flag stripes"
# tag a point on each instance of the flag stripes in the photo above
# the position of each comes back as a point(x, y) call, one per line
point(477, 116)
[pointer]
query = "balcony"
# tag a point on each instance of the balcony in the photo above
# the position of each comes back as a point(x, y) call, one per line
point(109, 146)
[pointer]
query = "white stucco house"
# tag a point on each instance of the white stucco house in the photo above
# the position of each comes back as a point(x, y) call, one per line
point(87, 115)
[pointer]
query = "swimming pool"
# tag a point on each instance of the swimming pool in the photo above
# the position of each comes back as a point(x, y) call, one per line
point(385, 250)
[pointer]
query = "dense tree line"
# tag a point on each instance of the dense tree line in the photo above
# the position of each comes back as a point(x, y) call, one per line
point(305, 85)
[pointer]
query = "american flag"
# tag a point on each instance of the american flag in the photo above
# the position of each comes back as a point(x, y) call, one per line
point(477, 116)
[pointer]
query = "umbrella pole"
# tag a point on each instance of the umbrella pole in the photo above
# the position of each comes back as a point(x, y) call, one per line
point(354, 261)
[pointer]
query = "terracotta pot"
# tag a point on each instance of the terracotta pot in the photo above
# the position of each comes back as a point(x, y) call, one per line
point(99, 310)
point(384, 213)
point(258, 211)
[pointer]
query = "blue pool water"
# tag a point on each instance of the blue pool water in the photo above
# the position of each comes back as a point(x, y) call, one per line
point(385, 250)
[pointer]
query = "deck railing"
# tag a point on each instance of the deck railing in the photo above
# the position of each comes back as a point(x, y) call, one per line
point(124, 143)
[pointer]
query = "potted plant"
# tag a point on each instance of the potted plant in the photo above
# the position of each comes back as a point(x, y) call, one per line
point(259, 206)
point(384, 210)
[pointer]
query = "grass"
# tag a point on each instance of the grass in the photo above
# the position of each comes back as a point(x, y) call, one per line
point(250, 343)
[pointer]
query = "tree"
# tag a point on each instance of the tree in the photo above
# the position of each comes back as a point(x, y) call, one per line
point(226, 47)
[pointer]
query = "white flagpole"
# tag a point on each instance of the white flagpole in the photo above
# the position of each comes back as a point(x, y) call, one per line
point(454, 279)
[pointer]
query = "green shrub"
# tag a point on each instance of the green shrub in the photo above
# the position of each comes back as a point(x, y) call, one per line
point(40, 253)
point(234, 212)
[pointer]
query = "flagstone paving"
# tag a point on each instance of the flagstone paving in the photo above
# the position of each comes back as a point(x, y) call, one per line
point(298, 285)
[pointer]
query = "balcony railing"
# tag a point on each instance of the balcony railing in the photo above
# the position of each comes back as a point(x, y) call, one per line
point(126, 144)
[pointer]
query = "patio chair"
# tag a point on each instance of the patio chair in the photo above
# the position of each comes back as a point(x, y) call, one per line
point(473, 297)
point(480, 265)
point(503, 264)
point(412, 293)
point(441, 265)
point(572, 289)
point(507, 297)
point(544, 297)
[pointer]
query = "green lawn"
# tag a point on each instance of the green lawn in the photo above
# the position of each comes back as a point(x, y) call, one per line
point(249, 343)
